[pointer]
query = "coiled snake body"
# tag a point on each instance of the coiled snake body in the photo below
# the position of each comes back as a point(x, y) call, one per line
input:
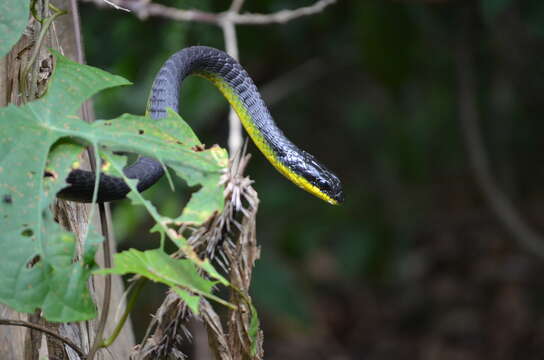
point(242, 94)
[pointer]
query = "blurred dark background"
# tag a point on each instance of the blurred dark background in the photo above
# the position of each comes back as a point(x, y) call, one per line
point(415, 264)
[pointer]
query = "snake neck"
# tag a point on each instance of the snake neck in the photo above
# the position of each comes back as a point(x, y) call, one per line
point(233, 82)
point(242, 94)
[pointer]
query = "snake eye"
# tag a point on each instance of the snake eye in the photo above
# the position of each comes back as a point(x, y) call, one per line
point(323, 184)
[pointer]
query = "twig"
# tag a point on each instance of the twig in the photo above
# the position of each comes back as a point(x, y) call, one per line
point(116, 6)
point(45, 28)
point(236, 6)
point(468, 116)
point(144, 9)
point(231, 47)
point(97, 342)
point(282, 16)
point(44, 330)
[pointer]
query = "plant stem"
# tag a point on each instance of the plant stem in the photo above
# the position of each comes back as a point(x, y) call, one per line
point(131, 301)
point(24, 73)
point(107, 255)
point(46, 331)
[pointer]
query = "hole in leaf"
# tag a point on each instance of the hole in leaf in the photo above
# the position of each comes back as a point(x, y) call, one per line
point(27, 232)
point(50, 174)
point(7, 199)
point(198, 148)
point(140, 131)
point(33, 262)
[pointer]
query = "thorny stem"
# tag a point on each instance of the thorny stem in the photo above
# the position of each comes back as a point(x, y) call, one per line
point(44, 330)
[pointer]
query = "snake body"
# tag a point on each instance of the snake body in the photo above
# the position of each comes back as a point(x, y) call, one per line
point(242, 94)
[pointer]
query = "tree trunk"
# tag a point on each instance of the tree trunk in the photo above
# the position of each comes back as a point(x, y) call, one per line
point(21, 343)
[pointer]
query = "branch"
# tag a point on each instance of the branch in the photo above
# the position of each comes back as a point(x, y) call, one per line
point(231, 47)
point(282, 16)
point(144, 9)
point(468, 116)
point(44, 330)
point(236, 6)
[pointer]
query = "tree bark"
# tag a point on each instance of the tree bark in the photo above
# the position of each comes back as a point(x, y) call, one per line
point(21, 343)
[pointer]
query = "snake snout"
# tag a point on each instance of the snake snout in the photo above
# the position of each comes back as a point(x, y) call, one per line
point(339, 195)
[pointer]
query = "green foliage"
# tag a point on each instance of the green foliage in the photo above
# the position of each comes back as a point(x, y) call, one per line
point(45, 137)
point(156, 265)
point(254, 327)
point(29, 234)
point(13, 19)
point(162, 227)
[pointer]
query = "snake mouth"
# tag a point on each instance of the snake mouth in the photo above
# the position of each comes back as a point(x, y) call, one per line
point(311, 175)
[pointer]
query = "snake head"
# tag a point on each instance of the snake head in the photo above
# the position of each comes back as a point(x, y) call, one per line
point(329, 184)
point(314, 177)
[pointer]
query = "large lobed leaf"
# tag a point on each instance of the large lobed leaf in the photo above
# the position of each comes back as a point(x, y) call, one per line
point(45, 137)
point(13, 19)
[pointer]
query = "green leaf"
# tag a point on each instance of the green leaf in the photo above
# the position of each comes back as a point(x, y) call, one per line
point(49, 126)
point(254, 327)
point(210, 270)
point(63, 155)
point(180, 129)
point(13, 19)
point(48, 279)
point(160, 139)
point(162, 222)
point(192, 301)
point(156, 265)
point(52, 282)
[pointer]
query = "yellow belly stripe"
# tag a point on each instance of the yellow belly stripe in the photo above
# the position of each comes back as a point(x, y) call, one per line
point(257, 137)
